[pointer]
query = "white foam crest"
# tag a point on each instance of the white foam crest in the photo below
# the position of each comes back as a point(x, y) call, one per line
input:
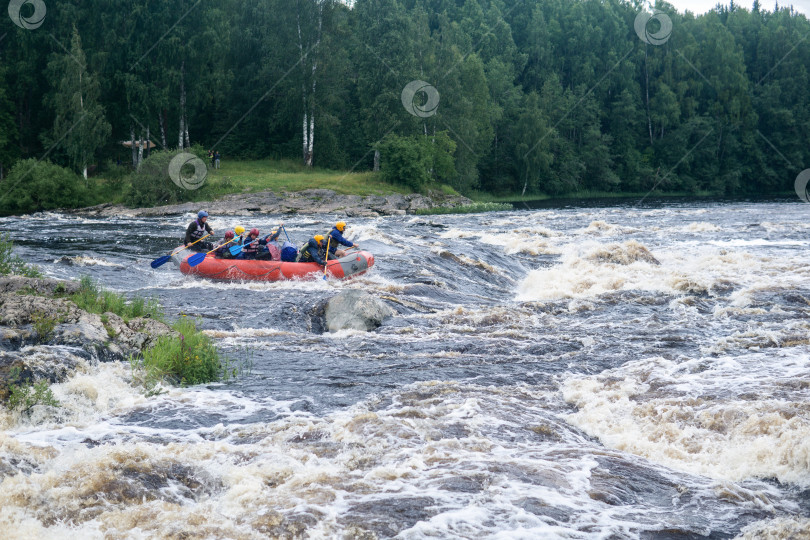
point(785, 527)
point(93, 390)
point(259, 477)
point(316, 282)
point(370, 231)
point(757, 242)
point(241, 333)
point(700, 227)
point(530, 241)
point(688, 268)
point(727, 418)
point(453, 233)
point(85, 260)
point(579, 278)
point(601, 228)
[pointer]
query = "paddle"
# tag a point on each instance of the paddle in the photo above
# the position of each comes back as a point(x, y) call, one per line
point(237, 249)
point(285, 233)
point(166, 258)
point(327, 256)
point(194, 260)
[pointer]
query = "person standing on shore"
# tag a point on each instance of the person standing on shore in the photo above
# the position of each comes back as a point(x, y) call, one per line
point(216, 159)
point(198, 229)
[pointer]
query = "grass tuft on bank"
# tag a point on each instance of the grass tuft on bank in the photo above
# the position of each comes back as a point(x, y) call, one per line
point(94, 299)
point(473, 208)
point(11, 263)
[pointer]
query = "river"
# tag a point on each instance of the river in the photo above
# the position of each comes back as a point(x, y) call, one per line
point(572, 372)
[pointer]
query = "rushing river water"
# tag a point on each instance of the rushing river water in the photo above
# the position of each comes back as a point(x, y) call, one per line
point(613, 372)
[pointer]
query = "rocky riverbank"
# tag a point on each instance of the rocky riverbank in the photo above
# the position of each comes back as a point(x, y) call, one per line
point(44, 335)
point(311, 201)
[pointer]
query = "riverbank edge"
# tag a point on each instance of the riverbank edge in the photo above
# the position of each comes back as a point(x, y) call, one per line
point(310, 201)
point(44, 334)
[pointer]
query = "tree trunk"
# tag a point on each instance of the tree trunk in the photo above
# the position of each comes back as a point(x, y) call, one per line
point(182, 104)
point(308, 160)
point(84, 172)
point(304, 131)
point(647, 84)
point(140, 150)
point(308, 100)
point(188, 141)
point(162, 128)
point(134, 150)
point(180, 138)
point(376, 160)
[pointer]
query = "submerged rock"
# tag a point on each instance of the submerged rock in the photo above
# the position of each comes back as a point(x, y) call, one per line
point(355, 310)
point(34, 363)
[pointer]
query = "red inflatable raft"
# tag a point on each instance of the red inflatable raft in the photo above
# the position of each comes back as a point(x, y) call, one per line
point(353, 264)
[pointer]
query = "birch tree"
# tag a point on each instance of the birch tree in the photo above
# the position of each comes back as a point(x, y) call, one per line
point(309, 25)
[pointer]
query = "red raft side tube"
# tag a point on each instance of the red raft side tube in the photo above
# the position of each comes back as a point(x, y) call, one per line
point(353, 264)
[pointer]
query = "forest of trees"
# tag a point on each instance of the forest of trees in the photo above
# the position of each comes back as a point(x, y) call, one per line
point(535, 96)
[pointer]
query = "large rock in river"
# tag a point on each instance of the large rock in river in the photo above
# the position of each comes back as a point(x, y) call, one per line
point(355, 310)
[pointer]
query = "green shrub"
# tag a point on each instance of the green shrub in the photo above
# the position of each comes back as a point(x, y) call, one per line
point(189, 359)
point(23, 395)
point(11, 263)
point(34, 186)
point(152, 185)
point(44, 323)
point(417, 161)
point(466, 209)
point(92, 298)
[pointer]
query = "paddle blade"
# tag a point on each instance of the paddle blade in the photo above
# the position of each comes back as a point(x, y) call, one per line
point(196, 259)
point(161, 261)
point(235, 250)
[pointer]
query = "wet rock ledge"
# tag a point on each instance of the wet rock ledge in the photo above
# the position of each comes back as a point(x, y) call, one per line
point(311, 201)
point(44, 335)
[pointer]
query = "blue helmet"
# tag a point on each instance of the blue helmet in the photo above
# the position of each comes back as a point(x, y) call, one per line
point(201, 214)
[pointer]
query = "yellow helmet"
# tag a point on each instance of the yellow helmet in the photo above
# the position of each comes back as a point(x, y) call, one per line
point(341, 226)
point(319, 238)
point(239, 230)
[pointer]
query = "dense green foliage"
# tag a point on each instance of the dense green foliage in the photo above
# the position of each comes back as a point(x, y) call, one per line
point(188, 359)
point(34, 186)
point(537, 96)
point(416, 161)
point(151, 184)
